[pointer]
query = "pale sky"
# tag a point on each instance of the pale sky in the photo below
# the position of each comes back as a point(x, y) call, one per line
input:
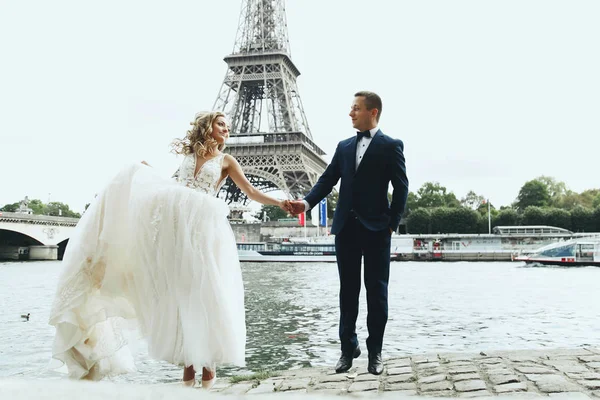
point(485, 94)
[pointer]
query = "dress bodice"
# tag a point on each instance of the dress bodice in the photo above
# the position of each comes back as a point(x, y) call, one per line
point(208, 179)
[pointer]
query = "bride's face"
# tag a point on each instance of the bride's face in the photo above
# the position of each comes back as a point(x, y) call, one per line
point(220, 130)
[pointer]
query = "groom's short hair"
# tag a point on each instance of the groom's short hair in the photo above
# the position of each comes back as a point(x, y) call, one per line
point(372, 100)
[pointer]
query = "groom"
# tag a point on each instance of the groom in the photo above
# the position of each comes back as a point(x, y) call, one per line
point(363, 223)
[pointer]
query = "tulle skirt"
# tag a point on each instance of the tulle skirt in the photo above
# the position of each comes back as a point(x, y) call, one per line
point(152, 255)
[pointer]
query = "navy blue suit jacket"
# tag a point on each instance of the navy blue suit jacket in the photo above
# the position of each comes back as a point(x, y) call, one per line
point(365, 190)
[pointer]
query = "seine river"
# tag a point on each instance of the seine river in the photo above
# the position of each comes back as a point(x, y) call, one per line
point(292, 314)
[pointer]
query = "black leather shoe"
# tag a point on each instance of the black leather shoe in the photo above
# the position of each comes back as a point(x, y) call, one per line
point(345, 361)
point(375, 366)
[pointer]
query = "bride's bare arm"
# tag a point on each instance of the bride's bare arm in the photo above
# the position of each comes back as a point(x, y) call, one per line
point(234, 170)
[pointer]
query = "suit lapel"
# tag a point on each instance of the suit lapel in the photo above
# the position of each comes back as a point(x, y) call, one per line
point(370, 150)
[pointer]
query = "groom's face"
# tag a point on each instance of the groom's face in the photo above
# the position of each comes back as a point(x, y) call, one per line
point(362, 119)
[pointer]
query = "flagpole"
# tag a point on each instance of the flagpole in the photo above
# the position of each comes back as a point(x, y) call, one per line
point(305, 223)
point(489, 217)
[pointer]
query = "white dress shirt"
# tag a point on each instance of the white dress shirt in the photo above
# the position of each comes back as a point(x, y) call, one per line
point(361, 148)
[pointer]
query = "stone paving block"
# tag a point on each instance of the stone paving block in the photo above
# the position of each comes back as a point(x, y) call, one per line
point(587, 359)
point(436, 386)
point(594, 364)
point(432, 379)
point(393, 395)
point(339, 386)
point(503, 379)
point(400, 386)
point(491, 360)
point(480, 394)
point(362, 395)
point(470, 386)
point(401, 378)
point(500, 371)
point(333, 378)
point(557, 353)
point(428, 365)
point(399, 371)
point(520, 396)
point(399, 362)
point(452, 364)
point(567, 366)
point(294, 384)
point(596, 393)
point(465, 377)
point(440, 393)
point(585, 375)
point(424, 359)
point(570, 396)
point(553, 383)
point(290, 393)
point(328, 392)
point(363, 386)
point(462, 370)
point(534, 370)
point(432, 371)
point(511, 387)
point(591, 385)
point(367, 378)
point(262, 389)
point(240, 388)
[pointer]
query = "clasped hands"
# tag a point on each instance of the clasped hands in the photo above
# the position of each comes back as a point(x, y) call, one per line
point(293, 207)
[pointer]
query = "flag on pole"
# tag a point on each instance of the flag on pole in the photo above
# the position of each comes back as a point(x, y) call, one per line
point(301, 218)
point(323, 212)
point(314, 216)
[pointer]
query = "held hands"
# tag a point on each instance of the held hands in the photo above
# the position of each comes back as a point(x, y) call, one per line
point(292, 207)
point(296, 207)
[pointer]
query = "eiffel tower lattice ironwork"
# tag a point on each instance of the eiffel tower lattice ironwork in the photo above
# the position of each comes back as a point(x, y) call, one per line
point(275, 152)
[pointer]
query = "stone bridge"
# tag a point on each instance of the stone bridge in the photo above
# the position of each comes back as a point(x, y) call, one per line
point(34, 237)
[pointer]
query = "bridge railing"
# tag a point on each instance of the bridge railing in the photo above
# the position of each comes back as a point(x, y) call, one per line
point(37, 219)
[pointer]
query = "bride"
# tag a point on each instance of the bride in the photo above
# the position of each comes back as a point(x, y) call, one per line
point(159, 255)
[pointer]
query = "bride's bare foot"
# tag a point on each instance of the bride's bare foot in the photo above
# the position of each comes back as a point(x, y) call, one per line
point(208, 378)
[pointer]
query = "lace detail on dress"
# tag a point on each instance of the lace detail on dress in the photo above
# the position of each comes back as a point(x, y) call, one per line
point(208, 178)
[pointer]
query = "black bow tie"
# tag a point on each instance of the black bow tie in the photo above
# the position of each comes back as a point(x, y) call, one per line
point(362, 134)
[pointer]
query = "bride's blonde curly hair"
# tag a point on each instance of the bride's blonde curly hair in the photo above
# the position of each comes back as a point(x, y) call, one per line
point(198, 140)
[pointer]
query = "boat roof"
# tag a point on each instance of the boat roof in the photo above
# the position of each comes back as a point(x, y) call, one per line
point(538, 229)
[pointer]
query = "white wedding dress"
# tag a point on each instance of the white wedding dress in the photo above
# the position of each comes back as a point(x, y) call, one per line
point(158, 255)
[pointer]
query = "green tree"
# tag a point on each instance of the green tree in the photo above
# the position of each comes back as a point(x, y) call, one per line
point(596, 219)
point(534, 216)
point(37, 206)
point(273, 213)
point(473, 201)
point(418, 221)
point(412, 203)
point(558, 217)
point(533, 193)
point(506, 217)
point(590, 197)
point(582, 219)
point(556, 189)
point(56, 208)
point(454, 220)
point(432, 194)
point(10, 207)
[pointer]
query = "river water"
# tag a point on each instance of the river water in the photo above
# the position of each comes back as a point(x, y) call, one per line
point(292, 314)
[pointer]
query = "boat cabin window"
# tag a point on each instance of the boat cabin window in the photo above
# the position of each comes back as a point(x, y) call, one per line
point(562, 251)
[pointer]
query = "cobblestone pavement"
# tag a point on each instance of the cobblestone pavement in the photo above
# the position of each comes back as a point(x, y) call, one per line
point(558, 374)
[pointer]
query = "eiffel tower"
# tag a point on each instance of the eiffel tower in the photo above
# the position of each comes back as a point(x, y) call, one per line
point(276, 152)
